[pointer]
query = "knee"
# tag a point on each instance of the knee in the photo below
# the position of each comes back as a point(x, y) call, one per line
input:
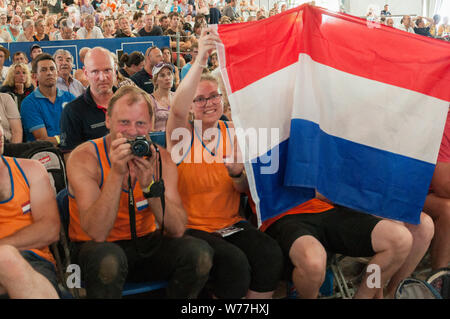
point(199, 255)
point(311, 263)
point(425, 230)
point(398, 239)
point(10, 259)
point(108, 262)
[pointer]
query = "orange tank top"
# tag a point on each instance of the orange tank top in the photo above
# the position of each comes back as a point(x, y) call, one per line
point(145, 220)
point(16, 212)
point(205, 188)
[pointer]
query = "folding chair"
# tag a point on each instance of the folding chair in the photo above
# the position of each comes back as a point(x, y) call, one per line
point(130, 288)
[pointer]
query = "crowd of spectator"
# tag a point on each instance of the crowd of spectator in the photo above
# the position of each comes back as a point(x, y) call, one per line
point(44, 98)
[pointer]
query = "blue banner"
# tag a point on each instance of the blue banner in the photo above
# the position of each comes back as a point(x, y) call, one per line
point(127, 45)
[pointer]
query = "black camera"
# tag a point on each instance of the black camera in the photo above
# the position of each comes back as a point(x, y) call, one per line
point(140, 146)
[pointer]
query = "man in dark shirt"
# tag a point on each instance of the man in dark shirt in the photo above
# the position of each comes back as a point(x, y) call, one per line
point(84, 118)
point(124, 28)
point(150, 29)
point(143, 78)
point(174, 27)
point(421, 28)
point(385, 12)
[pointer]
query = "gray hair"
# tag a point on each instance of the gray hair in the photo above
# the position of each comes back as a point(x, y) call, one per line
point(62, 52)
point(27, 23)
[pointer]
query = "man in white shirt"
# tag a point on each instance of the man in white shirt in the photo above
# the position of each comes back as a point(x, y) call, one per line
point(89, 31)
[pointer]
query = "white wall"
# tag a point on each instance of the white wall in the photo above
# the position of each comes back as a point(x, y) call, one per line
point(397, 7)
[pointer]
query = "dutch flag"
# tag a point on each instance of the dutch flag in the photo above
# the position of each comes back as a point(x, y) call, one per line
point(360, 110)
point(26, 207)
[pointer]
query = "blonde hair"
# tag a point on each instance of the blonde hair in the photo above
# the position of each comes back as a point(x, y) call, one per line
point(9, 81)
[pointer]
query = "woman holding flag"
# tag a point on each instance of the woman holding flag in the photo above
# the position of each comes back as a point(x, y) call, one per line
point(247, 262)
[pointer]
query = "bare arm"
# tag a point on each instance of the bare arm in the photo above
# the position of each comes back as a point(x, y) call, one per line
point(16, 130)
point(178, 116)
point(46, 224)
point(98, 208)
point(41, 135)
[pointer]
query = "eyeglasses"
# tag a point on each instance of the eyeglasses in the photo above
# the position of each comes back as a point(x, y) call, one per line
point(161, 64)
point(201, 101)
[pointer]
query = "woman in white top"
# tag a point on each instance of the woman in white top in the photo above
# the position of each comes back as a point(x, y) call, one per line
point(406, 24)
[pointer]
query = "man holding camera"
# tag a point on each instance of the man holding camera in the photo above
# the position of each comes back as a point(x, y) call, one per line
point(115, 230)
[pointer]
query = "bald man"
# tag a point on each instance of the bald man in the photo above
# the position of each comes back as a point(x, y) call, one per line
point(84, 118)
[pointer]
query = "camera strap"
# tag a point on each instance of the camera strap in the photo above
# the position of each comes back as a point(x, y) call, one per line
point(131, 209)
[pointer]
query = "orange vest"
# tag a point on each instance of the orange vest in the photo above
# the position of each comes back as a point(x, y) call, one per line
point(205, 188)
point(15, 212)
point(145, 220)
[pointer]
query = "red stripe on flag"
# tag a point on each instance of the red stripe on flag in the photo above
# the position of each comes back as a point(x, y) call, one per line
point(341, 41)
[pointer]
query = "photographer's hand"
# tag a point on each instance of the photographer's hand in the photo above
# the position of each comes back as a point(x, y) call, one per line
point(144, 168)
point(120, 154)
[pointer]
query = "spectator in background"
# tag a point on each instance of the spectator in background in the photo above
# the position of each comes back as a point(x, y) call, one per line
point(18, 83)
point(14, 28)
point(64, 65)
point(162, 95)
point(86, 7)
point(89, 30)
point(41, 110)
point(50, 27)
point(167, 58)
point(19, 57)
point(35, 50)
point(83, 119)
point(172, 30)
point(28, 32)
point(231, 10)
point(124, 28)
point(143, 78)
point(138, 22)
point(385, 12)
point(10, 119)
point(214, 14)
point(390, 22)
point(164, 22)
point(131, 63)
point(65, 31)
point(79, 73)
point(406, 24)
point(109, 29)
point(421, 28)
point(150, 29)
point(4, 55)
point(201, 7)
point(187, 67)
point(40, 31)
point(444, 28)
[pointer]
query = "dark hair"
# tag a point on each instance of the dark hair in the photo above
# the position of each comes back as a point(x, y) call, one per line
point(40, 57)
point(134, 58)
point(169, 49)
point(162, 18)
point(137, 15)
point(173, 14)
point(187, 27)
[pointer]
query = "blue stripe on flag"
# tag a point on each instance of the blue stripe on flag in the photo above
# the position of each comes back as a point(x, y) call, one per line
point(355, 175)
point(275, 198)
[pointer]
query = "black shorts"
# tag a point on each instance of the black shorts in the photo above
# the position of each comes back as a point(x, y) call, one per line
point(340, 230)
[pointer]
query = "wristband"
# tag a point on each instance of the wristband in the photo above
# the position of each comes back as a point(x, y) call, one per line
point(147, 189)
point(58, 139)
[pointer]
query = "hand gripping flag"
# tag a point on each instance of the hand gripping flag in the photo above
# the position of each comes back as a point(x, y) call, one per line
point(340, 105)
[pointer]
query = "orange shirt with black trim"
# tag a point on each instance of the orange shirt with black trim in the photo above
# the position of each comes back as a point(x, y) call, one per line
point(145, 220)
point(16, 212)
point(205, 188)
point(312, 206)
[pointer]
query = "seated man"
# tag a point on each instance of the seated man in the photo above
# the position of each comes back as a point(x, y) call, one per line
point(437, 204)
point(306, 232)
point(113, 241)
point(41, 110)
point(29, 222)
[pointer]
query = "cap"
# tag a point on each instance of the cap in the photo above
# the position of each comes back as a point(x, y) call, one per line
point(34, 46)
point(157, 68)
point(5, 50)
